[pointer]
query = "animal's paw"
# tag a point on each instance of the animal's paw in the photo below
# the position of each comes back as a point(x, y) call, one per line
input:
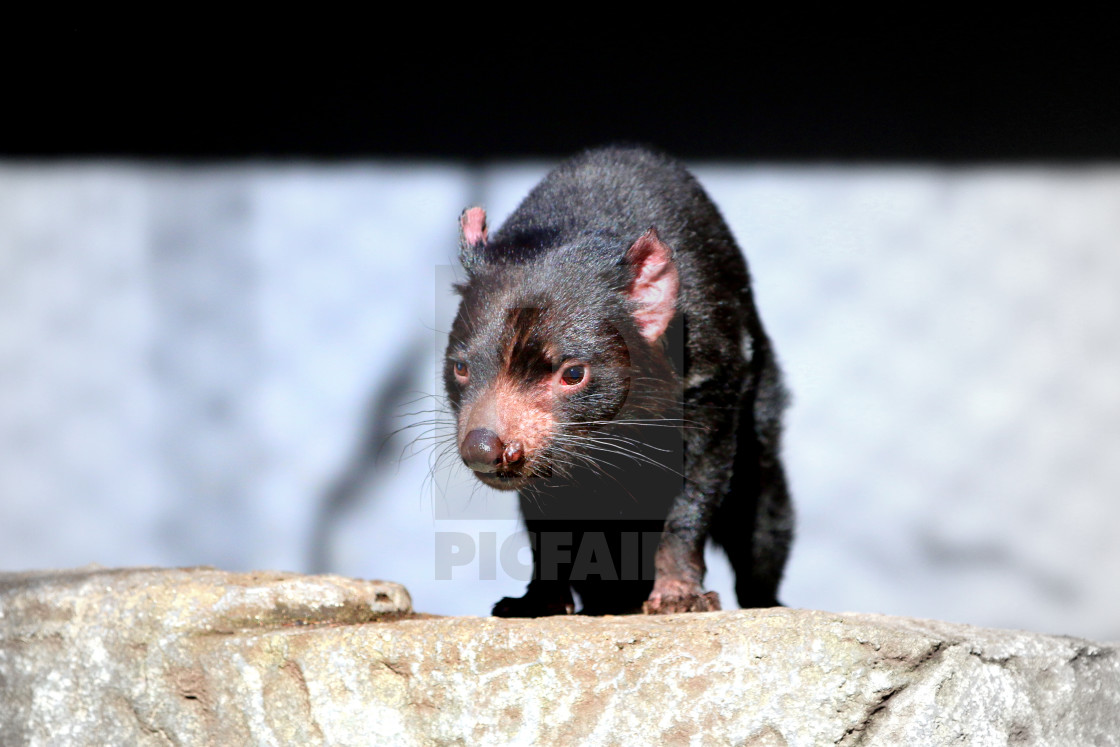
point(531, 606)
point(671, 597)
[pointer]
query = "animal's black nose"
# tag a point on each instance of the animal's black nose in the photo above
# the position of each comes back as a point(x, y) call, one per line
point(482, 450)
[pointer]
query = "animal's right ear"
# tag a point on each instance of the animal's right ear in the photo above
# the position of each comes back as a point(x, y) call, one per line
point(472, 236)
point(654, 286)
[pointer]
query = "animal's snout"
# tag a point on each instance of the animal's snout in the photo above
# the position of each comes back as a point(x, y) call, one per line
point(483, 451)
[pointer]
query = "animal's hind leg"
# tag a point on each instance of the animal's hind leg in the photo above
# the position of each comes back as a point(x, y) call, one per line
point(754, 524)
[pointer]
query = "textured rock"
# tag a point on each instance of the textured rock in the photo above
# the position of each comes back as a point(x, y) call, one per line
point(200, 657)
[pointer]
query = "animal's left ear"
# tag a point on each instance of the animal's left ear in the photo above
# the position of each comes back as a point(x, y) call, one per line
point(472, 236)
point(654, 286)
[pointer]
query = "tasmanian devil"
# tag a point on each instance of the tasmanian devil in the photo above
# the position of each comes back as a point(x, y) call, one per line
point(608, 363)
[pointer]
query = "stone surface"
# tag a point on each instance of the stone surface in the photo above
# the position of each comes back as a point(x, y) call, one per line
point(199, 657)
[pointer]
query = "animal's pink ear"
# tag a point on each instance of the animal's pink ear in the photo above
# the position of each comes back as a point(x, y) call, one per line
point(472, 228)
point(472, 237)
point(655, 285)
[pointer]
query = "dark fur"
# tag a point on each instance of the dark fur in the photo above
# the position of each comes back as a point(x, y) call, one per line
point(555, 277)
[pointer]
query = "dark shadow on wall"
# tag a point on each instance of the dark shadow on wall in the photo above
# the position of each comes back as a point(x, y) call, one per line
point(384, 440)
point(373, 454)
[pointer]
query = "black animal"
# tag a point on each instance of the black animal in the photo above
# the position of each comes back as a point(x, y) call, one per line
point(607, 362)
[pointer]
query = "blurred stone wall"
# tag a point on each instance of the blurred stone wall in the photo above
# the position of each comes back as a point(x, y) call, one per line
point(199, 363)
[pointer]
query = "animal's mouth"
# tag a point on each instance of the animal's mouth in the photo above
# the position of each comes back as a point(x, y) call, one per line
point(504, 481)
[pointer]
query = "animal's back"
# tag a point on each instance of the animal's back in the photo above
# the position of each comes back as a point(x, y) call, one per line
point(618, 193)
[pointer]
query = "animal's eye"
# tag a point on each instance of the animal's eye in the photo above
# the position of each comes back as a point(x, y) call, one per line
point(462, 371)
point(572, 375)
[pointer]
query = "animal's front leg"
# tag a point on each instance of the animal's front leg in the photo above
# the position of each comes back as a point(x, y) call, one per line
point(549, 591)
point(709, 459)
point(542, 599)
point(679, 563)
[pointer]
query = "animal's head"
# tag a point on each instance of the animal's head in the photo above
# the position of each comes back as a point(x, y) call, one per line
point(550, 345)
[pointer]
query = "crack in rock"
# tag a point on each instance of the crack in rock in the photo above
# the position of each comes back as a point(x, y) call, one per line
point(856, 733)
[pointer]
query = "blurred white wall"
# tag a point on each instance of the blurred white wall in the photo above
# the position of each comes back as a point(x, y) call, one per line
point(191, 359)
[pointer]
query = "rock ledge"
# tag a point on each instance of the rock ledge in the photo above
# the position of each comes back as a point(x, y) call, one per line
point(198, 656)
